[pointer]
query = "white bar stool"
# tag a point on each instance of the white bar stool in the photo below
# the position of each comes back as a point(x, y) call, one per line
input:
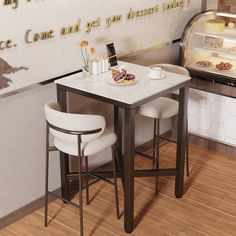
point(163, 108)
point(78, 135)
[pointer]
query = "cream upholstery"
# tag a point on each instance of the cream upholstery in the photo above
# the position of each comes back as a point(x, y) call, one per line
point(161, 108)
point(67, 143)
point(106, 140)
point(173, 68)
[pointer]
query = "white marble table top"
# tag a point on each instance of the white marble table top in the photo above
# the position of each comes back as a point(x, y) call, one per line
point(144, 89)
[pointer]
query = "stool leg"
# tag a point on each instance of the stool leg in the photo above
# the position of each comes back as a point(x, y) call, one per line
point(157, 132)
point(115, 182)
point(80, 197)
point(87, 186)
point(80, 158)
point(46, 178)
point(154, 144)
point(187, 150)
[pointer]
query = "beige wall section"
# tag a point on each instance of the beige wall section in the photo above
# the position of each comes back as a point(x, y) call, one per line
point(212, 4)
point(23, 149)
point(162, 54)
point(227, 5)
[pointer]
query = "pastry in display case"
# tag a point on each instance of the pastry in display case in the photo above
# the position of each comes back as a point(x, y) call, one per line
point(216, 26)
point(212, 42)
point(208, 47)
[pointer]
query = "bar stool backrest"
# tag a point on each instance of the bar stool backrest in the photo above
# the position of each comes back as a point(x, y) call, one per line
point(73, 122)
point(173, 68)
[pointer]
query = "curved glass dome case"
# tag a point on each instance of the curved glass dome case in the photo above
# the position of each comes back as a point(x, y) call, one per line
point(208, 47)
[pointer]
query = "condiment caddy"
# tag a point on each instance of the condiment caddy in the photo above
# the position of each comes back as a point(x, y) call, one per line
point(99, 65)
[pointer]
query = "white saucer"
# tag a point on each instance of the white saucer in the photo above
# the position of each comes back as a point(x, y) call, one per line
point(122, 84)
point(157, 78)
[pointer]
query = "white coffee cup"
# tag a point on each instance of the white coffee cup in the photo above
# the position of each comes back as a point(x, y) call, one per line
point(156, 73)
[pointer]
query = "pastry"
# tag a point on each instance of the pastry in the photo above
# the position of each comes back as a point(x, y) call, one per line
point(215, 26)
point(224, 66)
point(118, 76)
point(213, 42)
point(121, 76)
point(231, 25)
point(232, 49)
point(204, 63)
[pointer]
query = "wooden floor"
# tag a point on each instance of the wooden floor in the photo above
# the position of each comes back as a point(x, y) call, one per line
point(207, 208)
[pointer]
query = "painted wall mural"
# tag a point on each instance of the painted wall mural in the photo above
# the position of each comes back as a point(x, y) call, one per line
point(39, 39)
point(6, 69)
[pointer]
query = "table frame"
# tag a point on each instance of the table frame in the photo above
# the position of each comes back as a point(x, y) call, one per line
point(126, 162)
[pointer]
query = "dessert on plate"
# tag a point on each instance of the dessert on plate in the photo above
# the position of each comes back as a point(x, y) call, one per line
point(224, 66)
point(215, 26)
point(122, 76)
point(212, 42)
point(204, 63)
point(232, 49)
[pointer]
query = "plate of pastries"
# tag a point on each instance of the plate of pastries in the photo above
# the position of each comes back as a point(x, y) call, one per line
point(121, 77)
point(224, 66)
point(204, 63)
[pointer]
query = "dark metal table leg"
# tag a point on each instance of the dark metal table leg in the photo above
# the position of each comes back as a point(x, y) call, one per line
point(64, 158)
point(118, 148)
point(181, 142)
point(129, 171)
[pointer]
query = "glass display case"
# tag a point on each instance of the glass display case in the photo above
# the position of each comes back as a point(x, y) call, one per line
point(208, 47)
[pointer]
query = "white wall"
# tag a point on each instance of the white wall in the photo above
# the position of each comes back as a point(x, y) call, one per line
point(22, 148)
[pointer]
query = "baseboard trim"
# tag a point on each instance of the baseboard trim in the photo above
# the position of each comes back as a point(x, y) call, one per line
point(213, 145)
point(25, 210)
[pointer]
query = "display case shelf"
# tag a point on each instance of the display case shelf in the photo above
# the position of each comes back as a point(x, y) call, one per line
point(218, 51)
point(231, 73)
point(224, 36)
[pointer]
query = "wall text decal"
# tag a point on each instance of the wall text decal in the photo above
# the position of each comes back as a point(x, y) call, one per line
point(34, 37)
point(31, 37)
point(143, 12)
point(13, 3)
point(65, 30)
point(7, 44)
point(173, 4)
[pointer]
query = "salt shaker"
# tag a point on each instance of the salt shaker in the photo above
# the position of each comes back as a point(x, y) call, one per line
point(94, 66)
point(99, 63)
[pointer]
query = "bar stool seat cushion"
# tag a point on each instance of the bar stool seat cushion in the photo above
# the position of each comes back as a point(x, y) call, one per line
point(69, 146)
point(160, 108)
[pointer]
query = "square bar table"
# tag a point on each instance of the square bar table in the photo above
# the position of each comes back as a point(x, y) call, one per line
point(128, 98)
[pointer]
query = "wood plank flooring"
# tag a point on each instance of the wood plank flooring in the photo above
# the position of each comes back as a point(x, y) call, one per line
point(207, 208)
